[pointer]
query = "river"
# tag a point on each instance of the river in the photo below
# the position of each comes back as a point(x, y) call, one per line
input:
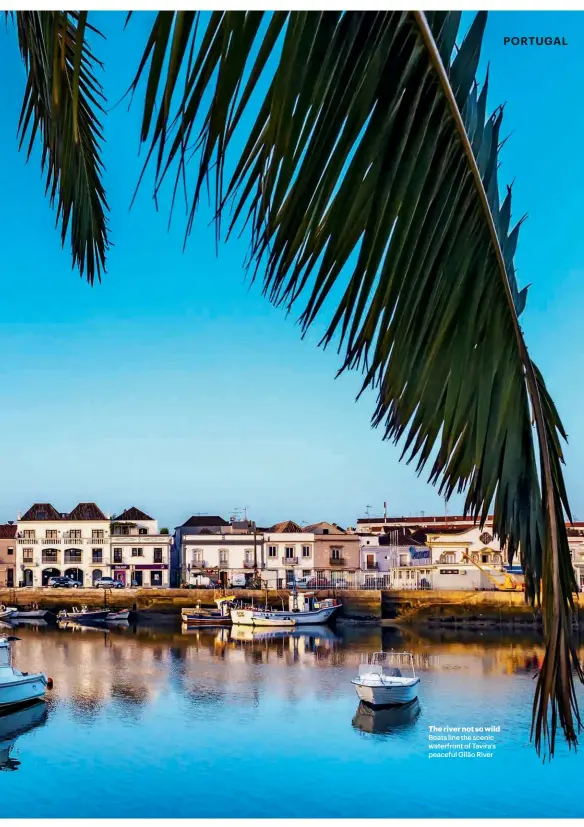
point(146, 722)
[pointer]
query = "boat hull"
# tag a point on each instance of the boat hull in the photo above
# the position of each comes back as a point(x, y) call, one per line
point(22, 690)
point(7, 613)
point(384, 694)
point(253, 617)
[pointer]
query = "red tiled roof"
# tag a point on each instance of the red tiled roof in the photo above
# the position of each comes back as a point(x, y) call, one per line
point(132, 513)
point(8, 532)
point(202, 520)
point(287, 527)
point(45, 510)
point(86, 511)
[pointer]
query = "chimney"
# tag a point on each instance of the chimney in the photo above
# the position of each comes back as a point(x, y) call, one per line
point(385, 512)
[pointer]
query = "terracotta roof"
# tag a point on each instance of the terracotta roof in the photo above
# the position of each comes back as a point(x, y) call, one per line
point(202, 520)
point(401, 536)
point(42, 511)
point(86, 511)
point(325, 524)
point(132, 513)
point(8, 532)
point(287, 527)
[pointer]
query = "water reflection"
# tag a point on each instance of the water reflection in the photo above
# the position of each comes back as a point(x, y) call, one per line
point(388, 720)
point(15, 724)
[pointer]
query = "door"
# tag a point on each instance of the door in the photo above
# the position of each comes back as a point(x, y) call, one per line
point(156, 578)
point(10, 578)
point(138, 579)
point(120, 576)
point(27, 574)
point(370, 561)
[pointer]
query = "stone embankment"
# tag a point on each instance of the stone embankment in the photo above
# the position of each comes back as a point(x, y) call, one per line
point(415, 607)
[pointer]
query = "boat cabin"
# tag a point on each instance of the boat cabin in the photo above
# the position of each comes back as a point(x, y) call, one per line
point(308, 602)
point(5, 658)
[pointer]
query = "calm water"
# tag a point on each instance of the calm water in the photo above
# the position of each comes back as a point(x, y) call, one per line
point(152, 723)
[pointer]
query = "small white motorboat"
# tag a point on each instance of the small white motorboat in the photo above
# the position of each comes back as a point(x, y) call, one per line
point(122, 614)
point(381, 685)
point(7, 611)
point(304, 610)
point(18, 687)
point(83, 614)
point(209, 617)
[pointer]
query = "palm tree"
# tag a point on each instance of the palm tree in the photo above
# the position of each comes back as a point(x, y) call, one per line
point(368, 185)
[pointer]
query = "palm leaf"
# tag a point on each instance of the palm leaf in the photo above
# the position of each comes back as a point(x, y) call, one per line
point(62, 105)
point(368, 178)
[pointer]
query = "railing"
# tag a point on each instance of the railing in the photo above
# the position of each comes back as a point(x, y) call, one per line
point(337, 561)
point(199, 564)
point(48, 542)
point(26, 541)
point(73, 558)
point(50, 558)
point(248, 564)
point(118, 559)
point(96, 562)
point(290, 561)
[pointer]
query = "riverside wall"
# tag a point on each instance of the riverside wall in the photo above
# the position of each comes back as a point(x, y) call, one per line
point(405, 606)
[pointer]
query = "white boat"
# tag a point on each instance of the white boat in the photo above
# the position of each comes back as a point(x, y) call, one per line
point(7, 611)
point(83, 614)
point(122, 614)
point(304, 610)
point(33, 614)
point(17, 687)
point(381, 685)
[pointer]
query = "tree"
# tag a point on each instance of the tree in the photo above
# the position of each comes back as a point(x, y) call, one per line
point(368, 185)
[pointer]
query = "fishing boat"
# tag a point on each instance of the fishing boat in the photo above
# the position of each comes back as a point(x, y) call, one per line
point(122, 614)
point(254, 634)
point(209, 617)
point(7, 611)
point(83, 614)
point(13, 724)
point(17, 687)
point(381, 685)
point(304, 610)
point(33, 613)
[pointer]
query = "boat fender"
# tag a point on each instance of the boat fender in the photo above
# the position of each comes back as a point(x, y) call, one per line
point(50, 683)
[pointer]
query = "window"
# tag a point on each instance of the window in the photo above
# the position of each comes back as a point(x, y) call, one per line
point(142, 531)
point(248, 556)
point(10, 550)
point(272, 551)
point(41, 515)
point(449, 557)
point(156, 578)
point(335, 553)
point(27, 555)
point(484, 558)
point(50, 555)
point(289, 552)
point(51, 534)
point(10, 578)
point(28, 533)
point(97, 534)
point(198, 557)
point(74, 534)
point(403, 559)
point(73, 555)
point(137, 552)
point(97, 555)
point(158, 555)
point(121, 529)
point(306, 551)
point(118, 555)
point(306, 572)
point(325, 531)
point(223, 557)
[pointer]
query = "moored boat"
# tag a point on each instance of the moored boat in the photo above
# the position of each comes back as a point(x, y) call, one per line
point(16, 687)
point(209, 617)
point(33, 613)
point(7, 611)
point(83, 614)
point(379, 685)
point(122, 614)
point(304, 610)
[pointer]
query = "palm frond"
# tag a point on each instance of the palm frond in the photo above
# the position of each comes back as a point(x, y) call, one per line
point(368, 178)
point(63, 102)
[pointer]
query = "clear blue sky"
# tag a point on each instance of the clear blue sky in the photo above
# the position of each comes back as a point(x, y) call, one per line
point(174, 387)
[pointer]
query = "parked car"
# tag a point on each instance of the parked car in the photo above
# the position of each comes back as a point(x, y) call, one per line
point(108, 583)
point(64, 583)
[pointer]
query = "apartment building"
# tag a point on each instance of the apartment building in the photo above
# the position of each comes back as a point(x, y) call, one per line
point(210, 547)
point(8, 555)
point(140, 553)
point(50, 543)
point(289, 553)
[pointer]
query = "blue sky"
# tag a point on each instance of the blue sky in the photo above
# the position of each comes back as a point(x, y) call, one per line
point(175, 387)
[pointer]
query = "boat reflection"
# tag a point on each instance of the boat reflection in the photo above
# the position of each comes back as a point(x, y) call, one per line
point(387, 720)
point(252, 634)
point(15, 724)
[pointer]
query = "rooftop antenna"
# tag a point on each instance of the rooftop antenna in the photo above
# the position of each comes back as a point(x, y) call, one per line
point(242, 508)
point(367, 510)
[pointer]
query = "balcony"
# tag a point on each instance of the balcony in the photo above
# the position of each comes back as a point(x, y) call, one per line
point(290, 561)
point(73, 558)
point(248, 564)
point(199, 563)
point(372, 566)
point(337, 561)
point(50, 558)
point(48, 542)
point(26, 541)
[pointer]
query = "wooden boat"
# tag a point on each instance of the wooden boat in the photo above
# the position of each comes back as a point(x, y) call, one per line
point(84, 615)
point(33, 613)
point(209, 617)
point(16, 687)
point(380, 685)
point(304, 610)
point(7, 611)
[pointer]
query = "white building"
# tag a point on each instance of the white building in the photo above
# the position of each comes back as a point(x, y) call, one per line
point(85, 545)
point(212, 548)
point(140, 554)
point(50, 543)
point(289, 553)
